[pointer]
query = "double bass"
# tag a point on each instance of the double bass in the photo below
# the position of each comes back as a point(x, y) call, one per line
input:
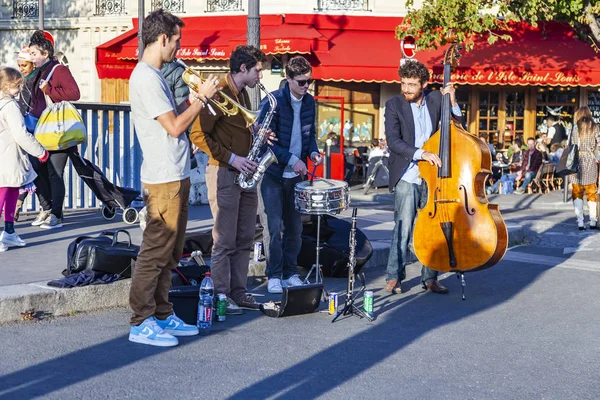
point(457, 230)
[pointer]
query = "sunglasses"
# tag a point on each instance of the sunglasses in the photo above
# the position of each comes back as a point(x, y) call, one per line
point(303, 82)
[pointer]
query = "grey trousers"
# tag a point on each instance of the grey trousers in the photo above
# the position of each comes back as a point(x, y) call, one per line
point(234, 213)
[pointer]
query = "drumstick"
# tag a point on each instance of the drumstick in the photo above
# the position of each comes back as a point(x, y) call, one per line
point(312, 175)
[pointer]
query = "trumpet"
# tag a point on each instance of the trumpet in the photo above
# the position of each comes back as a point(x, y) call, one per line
point(228, 106)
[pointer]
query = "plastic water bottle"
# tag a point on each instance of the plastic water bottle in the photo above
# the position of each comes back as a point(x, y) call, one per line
point(205, 304)
point(207, 287)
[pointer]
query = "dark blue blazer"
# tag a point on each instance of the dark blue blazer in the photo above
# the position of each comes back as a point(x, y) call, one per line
point(400, 131)
point(282, 124)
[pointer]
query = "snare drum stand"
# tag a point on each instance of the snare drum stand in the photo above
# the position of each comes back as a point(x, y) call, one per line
point(317, 266)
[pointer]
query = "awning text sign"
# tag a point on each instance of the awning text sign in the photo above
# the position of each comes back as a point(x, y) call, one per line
point(515, 77)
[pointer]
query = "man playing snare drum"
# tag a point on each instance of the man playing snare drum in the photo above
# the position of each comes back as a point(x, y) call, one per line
point(294, 126)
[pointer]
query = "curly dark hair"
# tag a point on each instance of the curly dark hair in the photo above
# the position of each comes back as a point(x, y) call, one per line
point(297, 66)
point(42, 43)
point(248, 55)
point(414, 69)
point(159, 22)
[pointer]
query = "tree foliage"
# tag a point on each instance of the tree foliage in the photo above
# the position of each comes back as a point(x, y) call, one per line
point(470, 19)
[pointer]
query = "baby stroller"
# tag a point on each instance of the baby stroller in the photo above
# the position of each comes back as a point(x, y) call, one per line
point(113, 197)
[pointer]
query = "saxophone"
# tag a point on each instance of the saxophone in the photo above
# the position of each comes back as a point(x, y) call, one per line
point(248, 181)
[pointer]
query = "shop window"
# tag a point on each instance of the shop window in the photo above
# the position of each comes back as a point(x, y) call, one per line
point(558, 101)
point(110, 7)
point(361, 113)
point(25, 9)
point(343, 5)
point(174, 6)
point(223, 5)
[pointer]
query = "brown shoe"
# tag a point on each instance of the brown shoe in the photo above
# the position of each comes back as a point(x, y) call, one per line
point(393, 286)
point(436, 287)
point(248, 303)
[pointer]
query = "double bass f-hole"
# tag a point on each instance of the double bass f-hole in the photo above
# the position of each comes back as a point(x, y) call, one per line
point(435, 201)
point(466, 200)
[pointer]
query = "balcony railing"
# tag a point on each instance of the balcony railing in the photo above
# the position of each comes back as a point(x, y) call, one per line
point(110, 7)
point(343, 5)
point(25, 9)
point(223, 5)
point(174, 6)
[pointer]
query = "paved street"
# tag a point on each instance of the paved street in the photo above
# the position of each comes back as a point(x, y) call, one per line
point(528, 330)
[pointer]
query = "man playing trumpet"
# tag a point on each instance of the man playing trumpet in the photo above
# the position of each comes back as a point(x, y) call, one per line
point(160, 127)
point(227, 140)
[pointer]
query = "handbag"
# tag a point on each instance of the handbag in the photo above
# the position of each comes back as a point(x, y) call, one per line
point(103, 253)
point(30, 122)
point(569, 160)
point(60, 126)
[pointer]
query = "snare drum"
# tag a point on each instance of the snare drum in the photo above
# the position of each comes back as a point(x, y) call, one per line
point(324, 196)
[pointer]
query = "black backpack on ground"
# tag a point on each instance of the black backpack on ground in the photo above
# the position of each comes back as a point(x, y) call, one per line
point(103, 253)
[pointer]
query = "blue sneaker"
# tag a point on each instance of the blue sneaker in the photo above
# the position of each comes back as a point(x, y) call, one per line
point(149, 332)
point(175, 326)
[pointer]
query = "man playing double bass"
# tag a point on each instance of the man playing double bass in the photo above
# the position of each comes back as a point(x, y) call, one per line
point(410, 119)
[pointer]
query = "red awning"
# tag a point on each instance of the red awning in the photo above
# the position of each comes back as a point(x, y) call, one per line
point(547, 55)
point(359, 56)
point(287, 39)
point(203, 38)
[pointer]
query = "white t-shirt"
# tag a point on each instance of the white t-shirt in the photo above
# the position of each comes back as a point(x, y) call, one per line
point(166, 159)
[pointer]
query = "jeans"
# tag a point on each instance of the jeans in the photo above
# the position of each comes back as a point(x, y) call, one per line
point(162, 245)
point(278, 200)
point(527, 179)
point(50, 183)
point(407, 198)
point(503, 180)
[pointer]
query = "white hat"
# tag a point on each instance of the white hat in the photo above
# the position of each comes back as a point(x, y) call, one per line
point(24, 55)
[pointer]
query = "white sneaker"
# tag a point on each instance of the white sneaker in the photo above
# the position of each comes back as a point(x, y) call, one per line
point(293, 280)
point(52, 222)
point(12, 239)
point(3, 247)
point(274, 285)
point(41, 218)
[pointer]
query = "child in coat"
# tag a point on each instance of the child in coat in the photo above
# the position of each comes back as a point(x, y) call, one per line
point(15, 143)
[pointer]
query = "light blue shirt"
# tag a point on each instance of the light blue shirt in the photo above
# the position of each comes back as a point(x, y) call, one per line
point(423, 130)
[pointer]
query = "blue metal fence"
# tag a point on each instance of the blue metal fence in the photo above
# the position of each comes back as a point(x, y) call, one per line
point(111, 145)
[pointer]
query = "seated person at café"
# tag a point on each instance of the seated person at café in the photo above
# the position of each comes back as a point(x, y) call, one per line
point(514, 166)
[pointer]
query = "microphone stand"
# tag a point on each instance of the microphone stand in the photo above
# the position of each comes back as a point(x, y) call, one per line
point(349, 307)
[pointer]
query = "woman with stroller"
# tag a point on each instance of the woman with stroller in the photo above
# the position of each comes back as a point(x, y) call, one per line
point(61, 87)
point(586, 136)
point(15, 142)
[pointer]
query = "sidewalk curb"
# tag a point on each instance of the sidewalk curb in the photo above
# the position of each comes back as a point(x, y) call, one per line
point(49, 301)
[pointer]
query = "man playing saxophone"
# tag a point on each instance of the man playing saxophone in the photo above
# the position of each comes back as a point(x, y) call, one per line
point(294, 125)
point(227, 140)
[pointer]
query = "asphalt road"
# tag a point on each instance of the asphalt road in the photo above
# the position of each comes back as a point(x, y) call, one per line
point(528, 330)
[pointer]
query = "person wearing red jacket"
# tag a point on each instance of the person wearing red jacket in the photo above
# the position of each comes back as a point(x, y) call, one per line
point(61, 87)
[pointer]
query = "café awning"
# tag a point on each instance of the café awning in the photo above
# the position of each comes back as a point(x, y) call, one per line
point(287, 39)
point(549, 54)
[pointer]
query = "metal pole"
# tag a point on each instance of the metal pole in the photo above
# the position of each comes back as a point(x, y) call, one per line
point(253, 39)
point(141, 15)
point(41, 14)
point(566, 189)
